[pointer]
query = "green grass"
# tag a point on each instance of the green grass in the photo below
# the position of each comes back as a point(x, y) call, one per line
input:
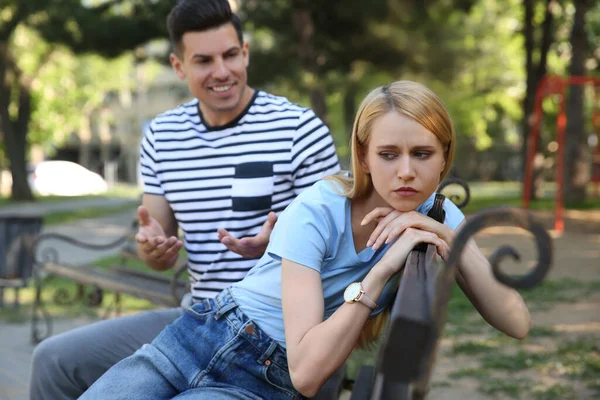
point(542, 331)
point(60, 217)
point(473, 347)
point(573, 360)
point(508, 194)
point(513, 387)
point(441, 384)
point(566, 290)
point(481, 203)
point(57, 217)
point(462, 318)
point(556, 391)
point(498, 355)
point(477, 373)
point(119, 191)
point(580, 358)
point(512, 362)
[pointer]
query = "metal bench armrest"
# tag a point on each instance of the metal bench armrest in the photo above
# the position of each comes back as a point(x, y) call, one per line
point(50, 254)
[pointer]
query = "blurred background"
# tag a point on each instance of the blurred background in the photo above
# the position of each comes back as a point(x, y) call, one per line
point(82, 78)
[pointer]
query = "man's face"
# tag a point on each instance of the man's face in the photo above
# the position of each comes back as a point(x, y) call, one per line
point(214, 64)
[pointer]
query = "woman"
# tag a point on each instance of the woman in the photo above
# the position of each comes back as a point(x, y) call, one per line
point(299, 313)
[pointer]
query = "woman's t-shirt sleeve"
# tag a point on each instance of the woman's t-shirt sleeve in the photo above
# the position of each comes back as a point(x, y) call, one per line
point(300, 235)
point(454, 216)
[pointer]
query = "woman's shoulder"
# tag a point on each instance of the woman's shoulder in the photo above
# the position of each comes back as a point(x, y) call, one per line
point(321, 201)
point(323, 192)
point(319, 210)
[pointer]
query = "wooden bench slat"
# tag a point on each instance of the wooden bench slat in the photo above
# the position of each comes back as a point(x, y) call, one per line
point(333, 386)
point(411, 324)
point(363, 385)
point(151, 276)
point(117, 281)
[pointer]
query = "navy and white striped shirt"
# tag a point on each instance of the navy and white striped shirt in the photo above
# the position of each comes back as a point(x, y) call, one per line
point(232, 176)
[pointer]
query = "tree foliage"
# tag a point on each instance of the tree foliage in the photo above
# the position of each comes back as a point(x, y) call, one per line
point(104, 27)
point(484, 57)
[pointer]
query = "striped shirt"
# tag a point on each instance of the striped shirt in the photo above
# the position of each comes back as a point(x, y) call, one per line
point(232, 176)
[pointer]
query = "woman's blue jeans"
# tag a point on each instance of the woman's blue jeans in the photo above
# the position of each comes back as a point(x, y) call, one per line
point(213, 351)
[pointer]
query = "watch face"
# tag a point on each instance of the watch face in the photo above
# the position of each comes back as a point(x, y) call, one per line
point(352, 292)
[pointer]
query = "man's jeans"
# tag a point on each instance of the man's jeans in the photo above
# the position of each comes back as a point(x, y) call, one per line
point(213, 351)
point(66, 365)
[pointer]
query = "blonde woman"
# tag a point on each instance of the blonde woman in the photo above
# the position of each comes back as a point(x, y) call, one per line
point(320, 288)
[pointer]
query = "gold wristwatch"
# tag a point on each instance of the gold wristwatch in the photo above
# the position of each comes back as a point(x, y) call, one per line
point(355, 293)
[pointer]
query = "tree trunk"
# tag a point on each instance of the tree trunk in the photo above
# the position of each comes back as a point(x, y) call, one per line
point(15, 129)
point(349, 108)
point(576, 169)
point(534, 75)
point(318, 104)
point(16, 146)
point(305, 30)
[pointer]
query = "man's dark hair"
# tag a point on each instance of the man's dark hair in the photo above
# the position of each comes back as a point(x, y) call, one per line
point(198, 16)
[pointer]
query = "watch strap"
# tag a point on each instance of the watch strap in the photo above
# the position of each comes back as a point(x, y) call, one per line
point(366, 300)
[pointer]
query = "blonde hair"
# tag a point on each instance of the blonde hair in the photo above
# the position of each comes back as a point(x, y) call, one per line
point(408, 98)
point(416, 102)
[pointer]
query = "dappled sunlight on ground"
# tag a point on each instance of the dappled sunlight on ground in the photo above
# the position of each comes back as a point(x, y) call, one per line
point(588, 327)
point(560, 359)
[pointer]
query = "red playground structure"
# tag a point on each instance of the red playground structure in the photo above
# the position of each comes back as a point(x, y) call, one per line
point(596, 154)
point(549, 85)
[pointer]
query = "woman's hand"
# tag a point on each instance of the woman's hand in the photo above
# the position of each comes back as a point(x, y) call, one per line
point(395, 257)
point(391, 224)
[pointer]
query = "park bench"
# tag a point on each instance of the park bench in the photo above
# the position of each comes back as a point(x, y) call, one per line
point(407, 352)
point(92, 281)
point(17, 235)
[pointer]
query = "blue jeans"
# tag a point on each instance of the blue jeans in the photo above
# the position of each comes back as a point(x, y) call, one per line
point(213, 351)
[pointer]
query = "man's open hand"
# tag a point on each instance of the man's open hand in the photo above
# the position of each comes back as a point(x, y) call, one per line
point(157, 248)
point(250, 247)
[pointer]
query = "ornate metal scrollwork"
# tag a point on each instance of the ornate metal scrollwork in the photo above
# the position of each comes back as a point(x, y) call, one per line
point(504, 216)
point(51, 253)
point(456, 199)
point(95, 296)
point(63, 296)
point(40, 313)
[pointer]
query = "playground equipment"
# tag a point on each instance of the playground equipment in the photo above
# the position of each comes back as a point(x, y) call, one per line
point(596, 152)
point(548, 85)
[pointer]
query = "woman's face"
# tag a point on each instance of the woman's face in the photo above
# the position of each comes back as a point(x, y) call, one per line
point(404, 159)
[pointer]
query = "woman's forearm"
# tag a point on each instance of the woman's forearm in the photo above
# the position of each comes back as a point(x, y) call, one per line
point(326, 346)
point(501, 306)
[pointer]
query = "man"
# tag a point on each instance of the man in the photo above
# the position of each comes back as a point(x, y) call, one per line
point(220, 168)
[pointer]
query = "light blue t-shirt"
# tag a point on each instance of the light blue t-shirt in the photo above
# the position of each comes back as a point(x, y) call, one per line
point(315, 230)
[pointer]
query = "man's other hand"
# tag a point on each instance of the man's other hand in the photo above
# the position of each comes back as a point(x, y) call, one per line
point(250, 247)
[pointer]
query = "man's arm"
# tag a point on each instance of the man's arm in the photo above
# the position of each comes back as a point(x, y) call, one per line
point(157, 242)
